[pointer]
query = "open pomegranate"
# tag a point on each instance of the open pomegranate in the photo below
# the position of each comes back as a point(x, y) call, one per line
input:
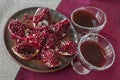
point(42, 17)
point(68, 48)
point(25, 50)
point(50, 59)
point(52, 42)
point(61, 28)
point(18, 29)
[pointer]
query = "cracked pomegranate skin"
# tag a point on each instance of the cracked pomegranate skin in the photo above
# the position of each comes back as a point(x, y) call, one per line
point(93, 53)
point(85, 18)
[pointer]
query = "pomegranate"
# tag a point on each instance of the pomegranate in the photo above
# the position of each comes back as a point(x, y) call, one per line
point(50, 59)
point(68, 48)
point(18, 29)
point(42, 17)
point(61, 28)
point(25, 50)
point(40, 39)
point(51, 42)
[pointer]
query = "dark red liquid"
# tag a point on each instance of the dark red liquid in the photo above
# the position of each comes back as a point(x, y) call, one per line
point(93, 53)
point(84, 18)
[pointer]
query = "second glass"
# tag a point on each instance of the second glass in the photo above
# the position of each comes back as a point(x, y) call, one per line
point(95, 52)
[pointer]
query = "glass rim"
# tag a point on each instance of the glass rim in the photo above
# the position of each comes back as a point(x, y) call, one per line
point(91, 28)
point(89, 64)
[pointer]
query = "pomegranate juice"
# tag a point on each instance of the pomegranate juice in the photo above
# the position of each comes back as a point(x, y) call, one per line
point(93, 52)
point(84, 18)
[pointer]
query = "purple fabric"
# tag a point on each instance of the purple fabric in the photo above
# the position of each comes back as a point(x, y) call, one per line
point(111, 31)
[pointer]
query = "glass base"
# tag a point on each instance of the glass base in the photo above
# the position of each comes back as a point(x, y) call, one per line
point(78, 67)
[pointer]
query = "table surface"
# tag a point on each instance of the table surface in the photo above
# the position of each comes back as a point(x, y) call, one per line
point(111, 31)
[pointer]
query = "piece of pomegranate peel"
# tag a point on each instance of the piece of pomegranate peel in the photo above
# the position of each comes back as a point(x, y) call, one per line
point(25, 51)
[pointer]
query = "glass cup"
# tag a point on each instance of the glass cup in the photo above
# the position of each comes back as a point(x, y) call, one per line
point(81, 63)
point(81, 17)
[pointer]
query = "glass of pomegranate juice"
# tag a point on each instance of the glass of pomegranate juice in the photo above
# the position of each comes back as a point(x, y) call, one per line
point(88, 19)
point(95, 52)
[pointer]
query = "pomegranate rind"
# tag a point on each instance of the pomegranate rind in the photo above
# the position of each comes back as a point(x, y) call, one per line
point(24, 56)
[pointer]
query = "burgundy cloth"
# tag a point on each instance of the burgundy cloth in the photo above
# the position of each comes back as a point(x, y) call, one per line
point(111, 31)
